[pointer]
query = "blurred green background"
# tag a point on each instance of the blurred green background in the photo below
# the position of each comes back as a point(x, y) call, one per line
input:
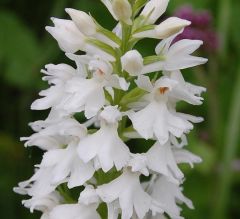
point(25, 47)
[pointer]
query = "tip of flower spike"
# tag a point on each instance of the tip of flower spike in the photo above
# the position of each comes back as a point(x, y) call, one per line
point(24, 138)
point(69, 10)
point(199, 41)
point(205, 60)
point(72, 11)
point(48, 29)
point(52, 19)
point(19, 191)
point(199, 119)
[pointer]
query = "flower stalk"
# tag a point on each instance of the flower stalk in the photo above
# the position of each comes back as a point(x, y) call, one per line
point(122, 96)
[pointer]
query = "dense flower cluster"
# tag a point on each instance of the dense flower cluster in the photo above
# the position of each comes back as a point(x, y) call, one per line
point(122, 96)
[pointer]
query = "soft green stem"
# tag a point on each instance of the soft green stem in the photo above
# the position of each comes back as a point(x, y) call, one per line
point(215, 109)
point(224, 23)
point(213, 101)
point(64, 192)
point(230, 148)
point(126, 34)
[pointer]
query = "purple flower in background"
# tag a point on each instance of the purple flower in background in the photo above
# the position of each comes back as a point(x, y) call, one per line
point(201, 28)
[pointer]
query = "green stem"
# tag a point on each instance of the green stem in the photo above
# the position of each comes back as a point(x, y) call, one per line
point(213, 88)
point(126, 34)
point(64, 192)
point(213, 100)
point(230, 149)
point(223, 24)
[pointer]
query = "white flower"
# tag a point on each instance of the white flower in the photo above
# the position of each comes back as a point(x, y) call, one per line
point(165, 29)
point(84, 95)
point(156, 120)
point(74, 211)
point(88, 27)
point(54, 133)
point(121, 10)
point(83, 21)
point(105, 145)
point(66, 166)
point(69, 38)
point(160, 159)
point(154, 9)
point(88, 94)
point(184, 156)
point(58, 166)
point(184, 90)
point(38, 185)
point(79, 155)
point(57, 75)
point(131, 196)
point(175, 56)
point(44, 204)
point(167, 194)
point(163, 159)
point(132, 62)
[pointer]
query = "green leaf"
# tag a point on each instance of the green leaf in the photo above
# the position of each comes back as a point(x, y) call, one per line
point(151, 59)
point(143, 28)
point(102, 210)
point(19, 52)
point(103, 178)
point(103, 46)
point(108, 33)
point(132, 97)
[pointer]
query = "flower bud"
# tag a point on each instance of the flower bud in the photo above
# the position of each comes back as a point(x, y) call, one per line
point(170, 27)
point(154, 9)
point(122, 10)
point(83, 21)
point(132, 62)
point(69, 38)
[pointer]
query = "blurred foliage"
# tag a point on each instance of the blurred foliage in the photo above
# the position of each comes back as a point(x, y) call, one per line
point(25, 48)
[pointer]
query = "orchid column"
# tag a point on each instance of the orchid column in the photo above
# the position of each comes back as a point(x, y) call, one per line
point(122, 96)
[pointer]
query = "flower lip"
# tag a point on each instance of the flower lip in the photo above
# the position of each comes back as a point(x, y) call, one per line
point(100, 72)
point(163, 90)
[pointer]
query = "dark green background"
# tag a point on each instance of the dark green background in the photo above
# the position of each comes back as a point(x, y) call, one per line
point(25, 47)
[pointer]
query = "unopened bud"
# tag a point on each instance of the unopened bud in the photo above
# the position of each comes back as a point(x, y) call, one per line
point(132, 62)
point(122, 10)
point(154, 9)
point(83, 21)
point(69, 38)
point(170, 26)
